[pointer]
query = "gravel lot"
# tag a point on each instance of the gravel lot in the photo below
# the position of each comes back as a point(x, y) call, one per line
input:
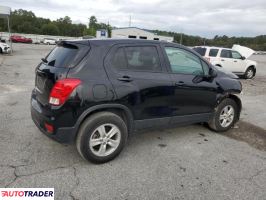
point(189, 162)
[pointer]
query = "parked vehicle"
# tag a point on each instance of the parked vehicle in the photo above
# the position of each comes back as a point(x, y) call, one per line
point(4, 48)
point(96, 92)
point(234, 60)
point(21, 39)
point(49, 41)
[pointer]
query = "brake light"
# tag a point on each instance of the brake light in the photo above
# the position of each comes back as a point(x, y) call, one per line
point(62, 90)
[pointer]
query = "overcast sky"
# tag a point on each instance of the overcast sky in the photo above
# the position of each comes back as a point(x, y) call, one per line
point(194, 17)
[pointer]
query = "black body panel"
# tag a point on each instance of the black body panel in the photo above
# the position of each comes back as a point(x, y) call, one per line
point(145, 99)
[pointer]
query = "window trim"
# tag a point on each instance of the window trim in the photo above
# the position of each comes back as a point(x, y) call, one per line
point(169, 64)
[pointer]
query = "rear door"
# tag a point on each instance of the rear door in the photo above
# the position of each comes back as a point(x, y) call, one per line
point(139, 76)
point(55, 66)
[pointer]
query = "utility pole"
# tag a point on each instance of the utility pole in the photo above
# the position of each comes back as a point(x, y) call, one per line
point(9, 30)
point(129, 21)
point(181, 38)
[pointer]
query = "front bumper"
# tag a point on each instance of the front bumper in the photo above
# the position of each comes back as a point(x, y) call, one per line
point(6, 50)
point(60, 134)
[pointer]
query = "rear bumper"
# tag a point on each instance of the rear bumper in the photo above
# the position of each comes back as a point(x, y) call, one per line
point(62, 134)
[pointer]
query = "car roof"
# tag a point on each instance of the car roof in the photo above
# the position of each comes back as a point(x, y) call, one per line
point(112, 41)
point(214, 47)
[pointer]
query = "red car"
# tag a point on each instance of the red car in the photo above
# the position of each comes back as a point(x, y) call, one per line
point(18, 38)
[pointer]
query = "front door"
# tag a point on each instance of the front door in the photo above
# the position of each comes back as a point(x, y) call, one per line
point(192, 97)
point(239, 64)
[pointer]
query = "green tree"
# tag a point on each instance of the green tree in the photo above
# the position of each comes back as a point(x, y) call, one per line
point(49, 29)
point(93, 22)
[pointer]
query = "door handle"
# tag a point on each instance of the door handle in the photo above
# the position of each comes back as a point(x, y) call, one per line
point(179, 83)
point(125, 79)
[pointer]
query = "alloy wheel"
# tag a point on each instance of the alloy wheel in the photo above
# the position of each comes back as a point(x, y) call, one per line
point(250, 73)
point(227, 116)
point(105, 139)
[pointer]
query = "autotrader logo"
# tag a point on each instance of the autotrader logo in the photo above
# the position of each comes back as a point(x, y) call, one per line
point(27, 193)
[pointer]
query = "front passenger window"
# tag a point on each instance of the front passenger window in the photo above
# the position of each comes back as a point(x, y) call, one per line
point(183, 62)
point(226, 53)
point(236, 55)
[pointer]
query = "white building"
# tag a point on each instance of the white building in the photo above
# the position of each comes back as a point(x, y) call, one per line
point(134, 32)
point(102, 33)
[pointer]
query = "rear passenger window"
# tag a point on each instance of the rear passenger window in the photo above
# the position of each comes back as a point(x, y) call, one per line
point(200, 50)
point(119, 60)
point(213, 52)
point(144, 58)
point(226, 53)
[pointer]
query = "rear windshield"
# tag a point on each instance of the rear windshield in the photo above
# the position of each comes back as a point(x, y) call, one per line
point(66, 55)
point(200, 50)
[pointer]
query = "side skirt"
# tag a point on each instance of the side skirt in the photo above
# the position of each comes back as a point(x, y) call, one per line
point(171, 121)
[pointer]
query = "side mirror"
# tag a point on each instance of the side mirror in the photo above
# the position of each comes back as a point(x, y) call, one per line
point(199, 78)
point(243, 58)
point(212, 73)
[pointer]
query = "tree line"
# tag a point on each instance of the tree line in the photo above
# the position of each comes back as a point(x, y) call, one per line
point(257, 43)
point(23, 21)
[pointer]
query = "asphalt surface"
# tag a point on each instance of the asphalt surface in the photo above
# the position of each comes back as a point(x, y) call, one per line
point(189, 162)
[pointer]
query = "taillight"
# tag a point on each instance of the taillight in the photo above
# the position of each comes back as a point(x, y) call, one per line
point(62, 90)
point(208, 59)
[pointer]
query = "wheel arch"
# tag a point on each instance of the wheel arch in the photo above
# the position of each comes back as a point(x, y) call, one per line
point(118, 109)
point(252, 66)
point(235, 98)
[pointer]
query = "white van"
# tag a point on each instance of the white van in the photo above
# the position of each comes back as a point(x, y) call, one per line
point(234, 60)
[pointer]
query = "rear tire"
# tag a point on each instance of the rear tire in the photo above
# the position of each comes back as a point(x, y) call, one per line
point(250, 73)
point(101, 137)
point(225, 116)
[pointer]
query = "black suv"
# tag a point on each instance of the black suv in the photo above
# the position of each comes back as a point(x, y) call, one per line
point(96, 92)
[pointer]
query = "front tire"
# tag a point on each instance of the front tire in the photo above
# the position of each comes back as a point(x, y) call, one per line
point(225, 116)
point(101, 137)
point(250, 73)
